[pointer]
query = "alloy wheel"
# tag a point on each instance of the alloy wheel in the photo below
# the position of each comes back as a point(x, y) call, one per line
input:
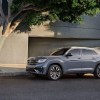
point(97, 72)
point(55, 72)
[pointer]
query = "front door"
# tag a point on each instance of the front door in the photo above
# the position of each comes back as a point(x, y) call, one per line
point(73, 63)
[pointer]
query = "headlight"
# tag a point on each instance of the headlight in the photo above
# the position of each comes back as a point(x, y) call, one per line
point(41, 60)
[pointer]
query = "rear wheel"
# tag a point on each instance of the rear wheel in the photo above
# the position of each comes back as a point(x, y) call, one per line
point(54, 72)
point(97, 72)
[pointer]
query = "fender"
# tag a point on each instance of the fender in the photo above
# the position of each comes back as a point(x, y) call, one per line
point(54, 61)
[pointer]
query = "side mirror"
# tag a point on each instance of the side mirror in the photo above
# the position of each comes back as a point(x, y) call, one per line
point(69, 54)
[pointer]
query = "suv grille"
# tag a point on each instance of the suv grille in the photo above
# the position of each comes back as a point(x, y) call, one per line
point(32, 62)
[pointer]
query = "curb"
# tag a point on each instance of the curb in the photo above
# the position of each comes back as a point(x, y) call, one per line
point(9, 71)
point(14, 74)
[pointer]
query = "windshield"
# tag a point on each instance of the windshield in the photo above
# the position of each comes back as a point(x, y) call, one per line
point(60, 52)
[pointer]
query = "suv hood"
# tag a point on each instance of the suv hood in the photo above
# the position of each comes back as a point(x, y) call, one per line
point(43, 57)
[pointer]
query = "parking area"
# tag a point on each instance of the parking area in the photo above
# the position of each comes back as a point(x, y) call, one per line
point(32, 88)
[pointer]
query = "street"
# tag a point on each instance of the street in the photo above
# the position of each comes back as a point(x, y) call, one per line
point(67, 88)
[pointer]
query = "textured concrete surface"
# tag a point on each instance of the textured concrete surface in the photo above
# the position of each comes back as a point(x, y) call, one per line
point(14, 49)
point(67, 88)
point(88, 29)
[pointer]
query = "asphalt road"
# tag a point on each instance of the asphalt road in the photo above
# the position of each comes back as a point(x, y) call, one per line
point(67, 88)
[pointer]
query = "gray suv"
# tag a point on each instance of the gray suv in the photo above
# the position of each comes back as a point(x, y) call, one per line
point(73, 60)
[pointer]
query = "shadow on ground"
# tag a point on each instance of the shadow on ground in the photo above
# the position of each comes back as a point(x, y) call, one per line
point(43, 78)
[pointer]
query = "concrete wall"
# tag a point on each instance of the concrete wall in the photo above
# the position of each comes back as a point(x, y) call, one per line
point(90, 28)
point(14, 50)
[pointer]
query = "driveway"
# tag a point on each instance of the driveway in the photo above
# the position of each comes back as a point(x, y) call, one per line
point(67, 88)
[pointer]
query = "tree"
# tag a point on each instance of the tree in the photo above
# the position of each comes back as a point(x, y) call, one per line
point(34, 12)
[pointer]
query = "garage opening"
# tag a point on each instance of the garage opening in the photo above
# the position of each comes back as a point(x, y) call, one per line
point(43, 46)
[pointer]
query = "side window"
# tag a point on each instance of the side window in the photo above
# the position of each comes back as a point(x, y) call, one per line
point(75, 52)
point(88, 52)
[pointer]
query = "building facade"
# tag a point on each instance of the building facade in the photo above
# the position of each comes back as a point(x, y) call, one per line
point(42, 40)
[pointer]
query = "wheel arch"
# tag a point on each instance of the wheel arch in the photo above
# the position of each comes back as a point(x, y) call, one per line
point(55, 64)
point(96, 65)
point(95, 71)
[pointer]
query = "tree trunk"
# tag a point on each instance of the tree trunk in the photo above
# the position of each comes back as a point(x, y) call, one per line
point(5, 33)
point(6, 29)
point(10, 26)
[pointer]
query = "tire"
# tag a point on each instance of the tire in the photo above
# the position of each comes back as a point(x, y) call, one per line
point(97, 72)
point(54, 72)
point(80, 75)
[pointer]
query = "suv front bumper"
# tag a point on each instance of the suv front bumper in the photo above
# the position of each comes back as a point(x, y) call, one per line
point(35, 69)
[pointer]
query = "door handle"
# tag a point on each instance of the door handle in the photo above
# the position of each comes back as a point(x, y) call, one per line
point(79, 58)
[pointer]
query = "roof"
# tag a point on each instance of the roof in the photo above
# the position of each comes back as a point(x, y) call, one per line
point(76, 47)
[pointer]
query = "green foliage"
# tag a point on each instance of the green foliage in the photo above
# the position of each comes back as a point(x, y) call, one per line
point(35, 18)
point(65, 10)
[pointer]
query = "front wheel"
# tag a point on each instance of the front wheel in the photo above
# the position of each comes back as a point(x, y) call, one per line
point(54, 72)
point(97, 72)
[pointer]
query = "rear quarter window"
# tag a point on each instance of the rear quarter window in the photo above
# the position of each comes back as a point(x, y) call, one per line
point(88, 52)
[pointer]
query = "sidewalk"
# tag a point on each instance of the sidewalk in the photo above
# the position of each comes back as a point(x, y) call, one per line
point(13, 70)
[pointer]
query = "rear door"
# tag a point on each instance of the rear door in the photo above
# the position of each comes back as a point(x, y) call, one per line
point(88, 59)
